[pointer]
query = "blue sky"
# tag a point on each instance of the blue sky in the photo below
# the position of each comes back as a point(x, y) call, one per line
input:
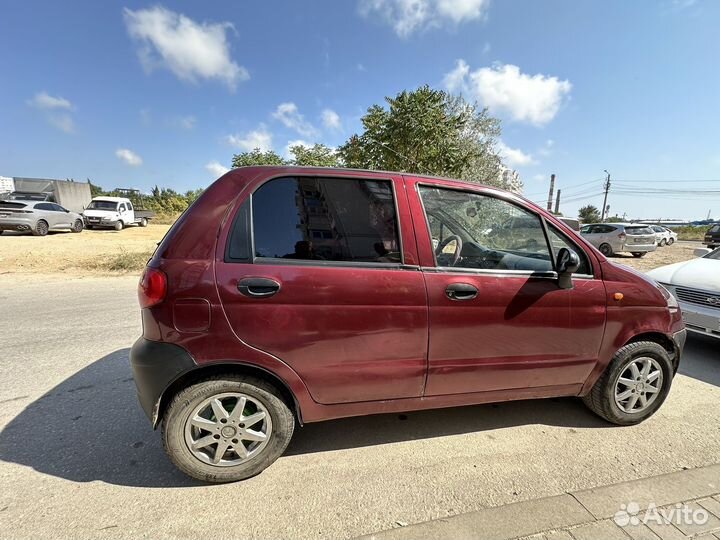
point(134, 94)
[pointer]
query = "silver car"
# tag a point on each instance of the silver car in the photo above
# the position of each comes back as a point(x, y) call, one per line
point(37, 217)
point(611, 238)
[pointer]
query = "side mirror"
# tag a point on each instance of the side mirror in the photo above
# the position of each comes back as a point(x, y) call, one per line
point(567, 263)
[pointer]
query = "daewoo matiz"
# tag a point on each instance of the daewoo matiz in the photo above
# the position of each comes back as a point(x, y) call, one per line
point(293, 295)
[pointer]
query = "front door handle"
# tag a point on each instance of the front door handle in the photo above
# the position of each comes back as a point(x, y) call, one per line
point(461, 291)
point(258, 287)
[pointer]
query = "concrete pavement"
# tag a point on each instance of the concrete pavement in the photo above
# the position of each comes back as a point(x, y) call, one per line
point(78, 458)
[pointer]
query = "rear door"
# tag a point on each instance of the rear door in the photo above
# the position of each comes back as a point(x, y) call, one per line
point(322, 273)
point(47, 212)
point(498, 320)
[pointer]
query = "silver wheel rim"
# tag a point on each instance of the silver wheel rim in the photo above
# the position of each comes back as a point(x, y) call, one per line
point(638, 385)
point(228, 429)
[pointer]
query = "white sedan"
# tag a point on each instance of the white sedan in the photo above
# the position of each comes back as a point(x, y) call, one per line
point(696, 285)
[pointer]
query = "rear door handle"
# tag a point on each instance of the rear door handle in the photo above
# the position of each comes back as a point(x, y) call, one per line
point(258, 287)
point(461, 291)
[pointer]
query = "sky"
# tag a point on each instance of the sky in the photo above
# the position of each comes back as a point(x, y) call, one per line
point(134, 94)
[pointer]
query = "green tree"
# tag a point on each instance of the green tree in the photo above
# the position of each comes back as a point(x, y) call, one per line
point(95, 191)
point(427, 131)
point(257, 157)
point(589, 214)
point(317, 155)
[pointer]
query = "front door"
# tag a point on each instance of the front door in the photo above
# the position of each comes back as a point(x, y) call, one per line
point(320, 284)
point(498, 320)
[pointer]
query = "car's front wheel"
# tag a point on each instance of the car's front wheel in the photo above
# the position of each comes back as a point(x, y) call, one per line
point(77, 226)
point(634, 385)
point(227, 428)
point(671, 241)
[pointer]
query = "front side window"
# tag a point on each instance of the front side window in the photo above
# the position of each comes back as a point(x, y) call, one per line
point(484, 232)
point(122, 208)
point(326, 219)
point(558, 241)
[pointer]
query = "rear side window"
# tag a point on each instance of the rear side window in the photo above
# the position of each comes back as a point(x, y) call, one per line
point(326, 219)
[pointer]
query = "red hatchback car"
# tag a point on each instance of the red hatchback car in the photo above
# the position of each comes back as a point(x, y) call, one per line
point(287, 295)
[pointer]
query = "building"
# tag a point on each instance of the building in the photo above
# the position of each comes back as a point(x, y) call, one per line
point(6, 184)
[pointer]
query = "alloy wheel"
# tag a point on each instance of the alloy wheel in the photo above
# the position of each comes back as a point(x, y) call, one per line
point(638, 385)
point(228, 429)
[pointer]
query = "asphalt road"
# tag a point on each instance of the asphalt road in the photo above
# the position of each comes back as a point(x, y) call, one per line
point(79, 460)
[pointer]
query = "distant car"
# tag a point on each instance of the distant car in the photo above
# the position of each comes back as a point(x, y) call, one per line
point(673, 236)
point(696, 285)
point(712, 236)
point(611, 238)
point(662, 235)
point(37, 217)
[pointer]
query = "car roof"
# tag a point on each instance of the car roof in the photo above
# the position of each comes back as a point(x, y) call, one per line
point(111, 199)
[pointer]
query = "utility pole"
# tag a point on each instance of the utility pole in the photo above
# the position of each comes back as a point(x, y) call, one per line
point(607, 188)
point(557, 202)
point(550, 194)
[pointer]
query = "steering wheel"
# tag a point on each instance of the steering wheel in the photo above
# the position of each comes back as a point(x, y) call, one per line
point(455, 257)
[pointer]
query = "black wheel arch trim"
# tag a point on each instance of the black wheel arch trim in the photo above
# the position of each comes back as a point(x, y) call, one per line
point(162, 369)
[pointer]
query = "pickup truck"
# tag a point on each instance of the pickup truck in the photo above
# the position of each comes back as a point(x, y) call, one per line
point(114, 212)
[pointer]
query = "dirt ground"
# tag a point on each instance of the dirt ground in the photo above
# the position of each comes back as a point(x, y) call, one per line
point(90, 252)
point(125, 252)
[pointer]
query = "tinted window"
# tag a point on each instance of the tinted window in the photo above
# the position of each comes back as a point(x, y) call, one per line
point(44, 206)
point(638, 230)
point(714, 229)
point(492, 233)
point(559, 241)
point(129, 206)
point(58, 208)
point(326, 219)
point(587, 229)
point(239, 243)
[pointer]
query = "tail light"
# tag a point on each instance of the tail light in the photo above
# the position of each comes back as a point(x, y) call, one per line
point(622, 236)
point(152, 287)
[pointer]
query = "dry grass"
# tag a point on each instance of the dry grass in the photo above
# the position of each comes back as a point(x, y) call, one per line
point(88, 253)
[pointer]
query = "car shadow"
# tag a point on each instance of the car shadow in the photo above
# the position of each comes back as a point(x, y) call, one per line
point(701, 358)
point(90, 427)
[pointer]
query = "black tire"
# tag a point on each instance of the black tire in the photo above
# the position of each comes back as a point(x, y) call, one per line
point(606, 250)
point(671, 241)
point(41, 228)
point(185, 401)
point(663, 242)
point(119, 225)
point(143, 222)
point(638, 254)
point(89, 227)
point(601, 399)
point(77, 226)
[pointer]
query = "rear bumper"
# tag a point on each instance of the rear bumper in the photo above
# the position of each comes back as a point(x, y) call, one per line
point(155, 366)
point(16, 224)
point(638, 248)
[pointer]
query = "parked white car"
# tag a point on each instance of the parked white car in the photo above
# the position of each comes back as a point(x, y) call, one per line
point(663, 235)
point(115, 212)
point(696, 285)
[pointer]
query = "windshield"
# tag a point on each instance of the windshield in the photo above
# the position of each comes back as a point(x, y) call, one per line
point(713, 255)
point(102, 205)
point(714, 228)
point(638, 230)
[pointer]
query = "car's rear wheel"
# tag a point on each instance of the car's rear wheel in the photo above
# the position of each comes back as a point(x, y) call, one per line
point(143, 222)
point(118, 225)
point(638, 254)
point(634, 385)
point(606, 250)
point(671, 241)
point(662, 242)
point(77, 226)
point(41, 228)
point(227, 428)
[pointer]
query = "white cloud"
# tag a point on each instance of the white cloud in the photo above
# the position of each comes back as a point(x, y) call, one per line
point(63, 122)
point(504, 88)
point(42, 100)
point(259, 138)
point(331, 119)
point(129, 157)
point(189, 49)
point(185, 122)
point(216, 168)
point(456, 80)
point(514, 157)
point(408, 16)
point(289, 115)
